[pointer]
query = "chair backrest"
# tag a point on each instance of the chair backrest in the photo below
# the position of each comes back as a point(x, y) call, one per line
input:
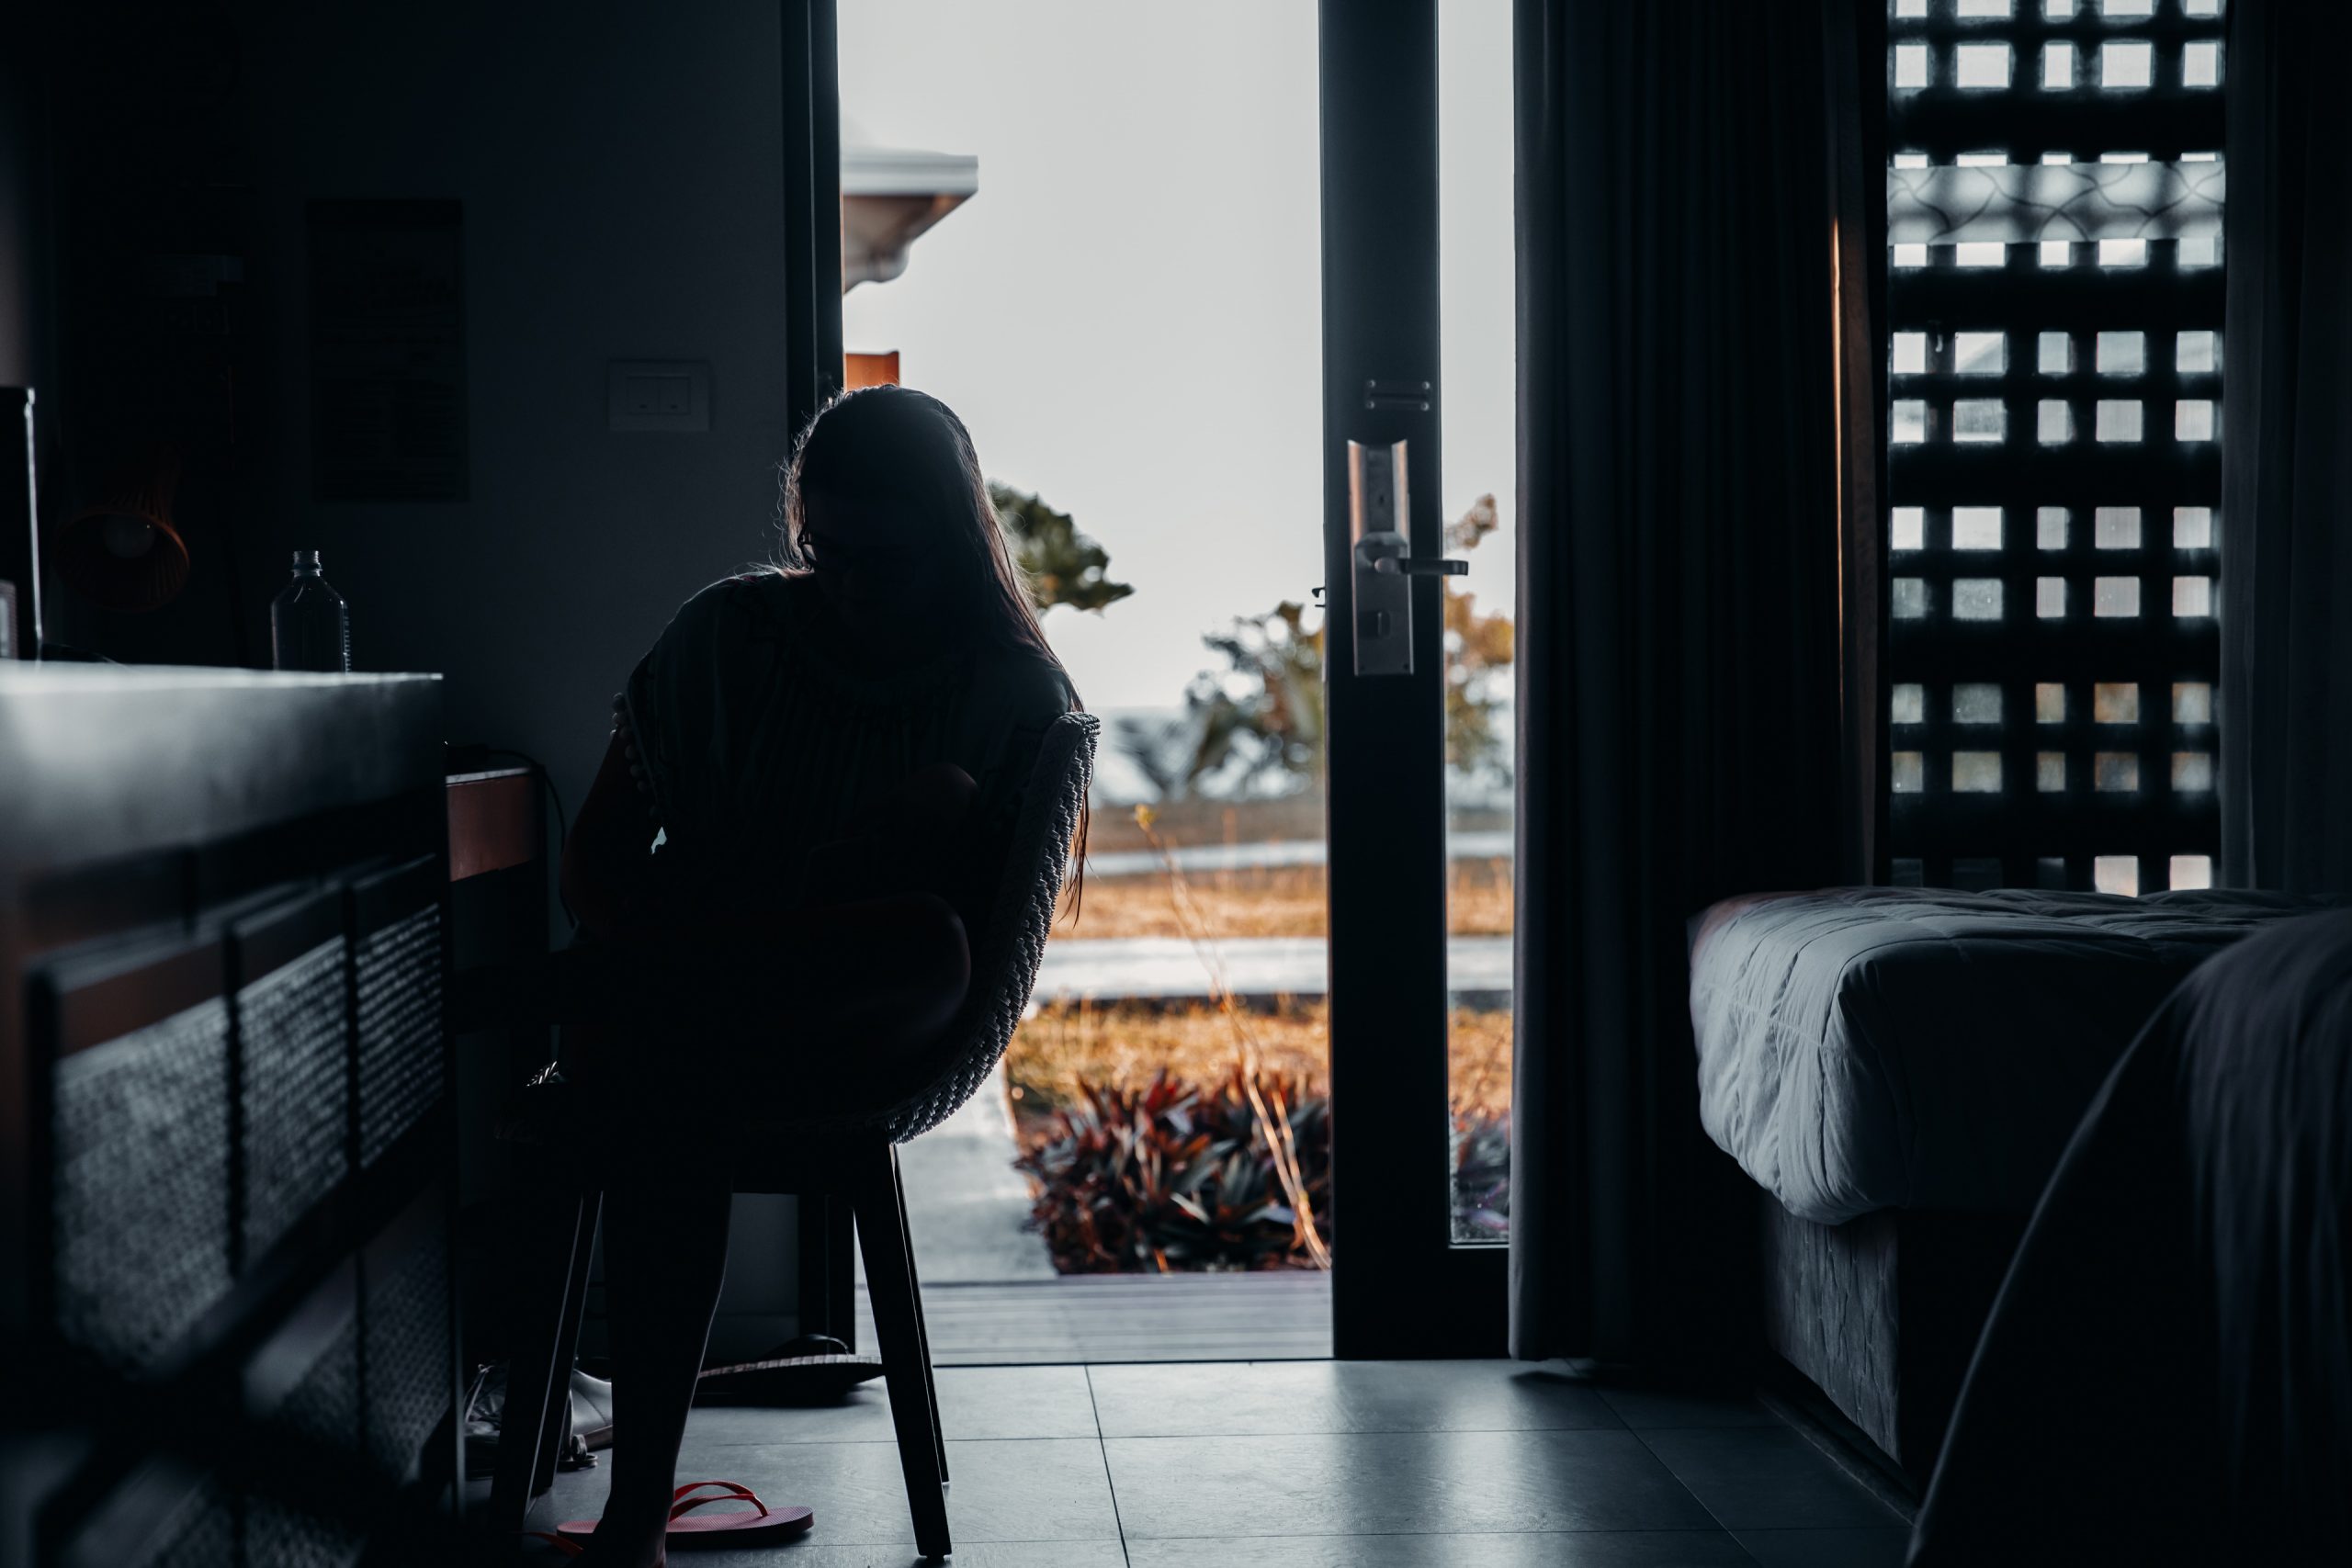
point(1008, 952)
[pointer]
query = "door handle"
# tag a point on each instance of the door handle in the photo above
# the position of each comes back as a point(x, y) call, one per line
point(1381, 565)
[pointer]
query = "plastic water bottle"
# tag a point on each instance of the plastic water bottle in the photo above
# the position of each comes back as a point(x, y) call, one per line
point(309, 625)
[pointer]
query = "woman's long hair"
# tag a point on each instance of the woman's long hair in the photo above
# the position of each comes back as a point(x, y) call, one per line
point(896, 442)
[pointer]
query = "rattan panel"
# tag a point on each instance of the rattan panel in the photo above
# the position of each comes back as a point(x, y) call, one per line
point(140, 1192)
point(409, 1358)
point(203, 1533)
point(401, 1073)
point(2054, 309)
point(293, 1032)
point(325, 1406)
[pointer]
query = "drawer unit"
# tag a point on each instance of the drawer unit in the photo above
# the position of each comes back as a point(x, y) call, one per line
point(292, 1024)
point(396, 933)
point(135, 1038)
point(227, 1150)
point(408, 1343)
point(307, 1383)
point(163, 1516)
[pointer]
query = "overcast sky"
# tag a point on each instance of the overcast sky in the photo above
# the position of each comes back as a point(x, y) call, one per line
point(1127, 315)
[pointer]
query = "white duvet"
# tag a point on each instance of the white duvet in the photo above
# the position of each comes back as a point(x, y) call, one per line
point(1887, 1047)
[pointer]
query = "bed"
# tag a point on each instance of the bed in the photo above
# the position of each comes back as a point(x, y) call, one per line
point(2168, 1374)
point(1899, 1069)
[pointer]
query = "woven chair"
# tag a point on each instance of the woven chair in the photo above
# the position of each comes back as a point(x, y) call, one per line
point(851, 1153)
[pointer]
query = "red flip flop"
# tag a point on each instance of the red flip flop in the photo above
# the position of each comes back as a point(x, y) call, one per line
point(766, 1527)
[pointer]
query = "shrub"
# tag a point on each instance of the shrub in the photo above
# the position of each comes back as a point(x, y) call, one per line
point(1178, 1176)
point(1175, 1176)
point(1481, 1154)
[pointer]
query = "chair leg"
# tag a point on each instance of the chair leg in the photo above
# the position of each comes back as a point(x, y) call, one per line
point(558, 1420)
point(922, 1330)
point(553, 1253)
point(554, 1273)
point(882, 1234)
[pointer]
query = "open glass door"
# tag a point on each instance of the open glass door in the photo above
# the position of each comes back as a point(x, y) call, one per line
point(1096, 231)
point(1093, 231)
point(1413, 1277)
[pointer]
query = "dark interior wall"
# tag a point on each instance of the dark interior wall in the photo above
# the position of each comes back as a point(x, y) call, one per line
point(23, 300)
point(23, 236)
point(620, 170)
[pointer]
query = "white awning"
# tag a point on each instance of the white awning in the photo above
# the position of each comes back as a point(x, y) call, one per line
point(889, 197)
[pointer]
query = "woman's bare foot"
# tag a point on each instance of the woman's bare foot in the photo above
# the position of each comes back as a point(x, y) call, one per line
point(611, 1548)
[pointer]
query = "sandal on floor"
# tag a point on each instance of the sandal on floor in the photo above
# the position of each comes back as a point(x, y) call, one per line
point(767, 1527)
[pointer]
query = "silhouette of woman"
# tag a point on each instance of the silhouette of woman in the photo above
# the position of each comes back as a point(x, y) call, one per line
point(833, 751)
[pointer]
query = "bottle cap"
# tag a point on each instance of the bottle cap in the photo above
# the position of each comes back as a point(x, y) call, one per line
point(305, 558)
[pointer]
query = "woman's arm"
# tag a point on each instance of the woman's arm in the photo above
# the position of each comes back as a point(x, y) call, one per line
point(899, 974)
point(903, 841)
point(608, 864)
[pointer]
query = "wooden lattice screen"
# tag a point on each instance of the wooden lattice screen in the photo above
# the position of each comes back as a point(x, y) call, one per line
point(2054, 304)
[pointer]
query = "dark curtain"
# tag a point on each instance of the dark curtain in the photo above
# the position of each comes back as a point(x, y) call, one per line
point(2287, 452)
point(1694, 718)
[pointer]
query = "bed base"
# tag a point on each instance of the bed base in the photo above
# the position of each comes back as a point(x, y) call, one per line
point(1881, 1314)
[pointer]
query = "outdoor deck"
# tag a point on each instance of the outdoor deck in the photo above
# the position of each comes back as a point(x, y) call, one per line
point(990, 1295)
point(1273, 1317)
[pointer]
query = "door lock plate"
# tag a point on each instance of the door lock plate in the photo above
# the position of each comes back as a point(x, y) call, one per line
point(1378, 516)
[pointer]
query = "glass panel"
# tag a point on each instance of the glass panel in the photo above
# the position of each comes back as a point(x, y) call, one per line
point(1976, 598)
point(1032, 298)
point(1476, 293)
point(1980, 353)
point(1976, 527)
point(2116, 771)
point(1976, 702)
point(1978, 419)
point(1977, 773)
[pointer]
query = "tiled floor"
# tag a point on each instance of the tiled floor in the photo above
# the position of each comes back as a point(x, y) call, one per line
point(1272, 1314)
point(1297, 1464)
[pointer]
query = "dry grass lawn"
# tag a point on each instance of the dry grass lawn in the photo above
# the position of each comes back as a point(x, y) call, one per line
point(1281, 900)
point(1127, 1043)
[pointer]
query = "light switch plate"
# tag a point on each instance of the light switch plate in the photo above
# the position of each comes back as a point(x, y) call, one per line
point(658, 394)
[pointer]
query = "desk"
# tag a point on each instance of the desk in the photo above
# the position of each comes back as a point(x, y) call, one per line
point(498, 915)
point(225, 1125)
point(495, 822)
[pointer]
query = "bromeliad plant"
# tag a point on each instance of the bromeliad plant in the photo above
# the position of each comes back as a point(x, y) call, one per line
point(1480, 1150)
point(1174, 1175)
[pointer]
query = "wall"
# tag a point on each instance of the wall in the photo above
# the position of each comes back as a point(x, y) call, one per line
point(621, 171)
point(24, 235)
point(620, 167)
